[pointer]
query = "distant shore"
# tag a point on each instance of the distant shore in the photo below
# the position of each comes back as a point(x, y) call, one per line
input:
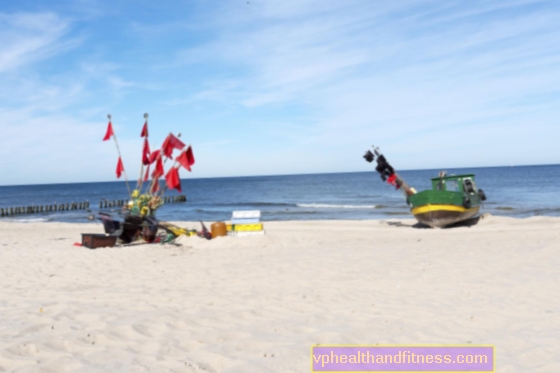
point(257, 304)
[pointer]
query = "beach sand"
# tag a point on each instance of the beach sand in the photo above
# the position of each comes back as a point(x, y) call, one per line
point(257, 304)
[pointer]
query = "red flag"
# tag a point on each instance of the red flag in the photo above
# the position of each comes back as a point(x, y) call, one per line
point(172, 179)
point(183, 159)
point(170, 143)
point(154, 155)
point(159, 169)
point(190, 156)
point(109, 132)
point(144, 130)
point(146, 152)
point(147, 175)
point(120, 168)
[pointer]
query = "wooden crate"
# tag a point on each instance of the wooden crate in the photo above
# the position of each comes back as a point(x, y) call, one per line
point(95, 240)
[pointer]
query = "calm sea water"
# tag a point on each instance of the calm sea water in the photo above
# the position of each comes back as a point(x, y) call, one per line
point(512, 191)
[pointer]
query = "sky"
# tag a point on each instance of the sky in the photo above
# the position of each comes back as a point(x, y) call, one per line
point(264, 87)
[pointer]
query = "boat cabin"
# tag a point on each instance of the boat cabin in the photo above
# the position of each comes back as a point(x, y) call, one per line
point(455, 183)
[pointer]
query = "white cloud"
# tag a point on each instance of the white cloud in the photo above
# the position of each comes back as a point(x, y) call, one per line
point(27, 38)
point(386, 72)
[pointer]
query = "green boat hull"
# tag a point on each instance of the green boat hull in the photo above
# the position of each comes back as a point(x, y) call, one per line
point(440, 208)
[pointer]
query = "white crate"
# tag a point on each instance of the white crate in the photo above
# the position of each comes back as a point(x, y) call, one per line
point(246, 214)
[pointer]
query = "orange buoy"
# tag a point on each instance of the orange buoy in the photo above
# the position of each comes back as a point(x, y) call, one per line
point(218, 229)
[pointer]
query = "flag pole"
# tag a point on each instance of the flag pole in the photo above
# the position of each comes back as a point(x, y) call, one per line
point(119, 151)
point(141, 178)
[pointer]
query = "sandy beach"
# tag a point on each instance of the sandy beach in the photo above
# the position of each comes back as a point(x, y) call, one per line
point(257, 304)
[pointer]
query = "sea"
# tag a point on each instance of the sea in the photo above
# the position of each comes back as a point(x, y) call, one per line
point(517, 191)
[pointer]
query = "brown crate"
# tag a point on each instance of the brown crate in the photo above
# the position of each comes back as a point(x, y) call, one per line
point(95, 240)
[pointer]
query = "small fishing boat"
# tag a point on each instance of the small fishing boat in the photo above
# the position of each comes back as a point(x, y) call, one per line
point(452, 199)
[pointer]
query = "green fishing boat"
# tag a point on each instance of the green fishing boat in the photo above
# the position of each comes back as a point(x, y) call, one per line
point(452, 199)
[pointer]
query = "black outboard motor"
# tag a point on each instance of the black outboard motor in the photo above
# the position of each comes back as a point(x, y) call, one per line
point(387, 172)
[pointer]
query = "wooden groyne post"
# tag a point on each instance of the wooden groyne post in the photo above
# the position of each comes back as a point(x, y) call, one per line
point(33, 209)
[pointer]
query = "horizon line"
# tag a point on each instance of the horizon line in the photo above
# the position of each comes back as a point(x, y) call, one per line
point(301, 174)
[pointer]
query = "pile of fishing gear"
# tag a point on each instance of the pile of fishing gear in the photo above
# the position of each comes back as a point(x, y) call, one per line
point(139, 222)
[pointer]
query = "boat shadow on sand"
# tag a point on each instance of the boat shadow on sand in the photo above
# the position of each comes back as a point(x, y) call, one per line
point(465, 223)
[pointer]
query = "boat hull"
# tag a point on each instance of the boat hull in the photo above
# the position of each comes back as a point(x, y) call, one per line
point(442, 215)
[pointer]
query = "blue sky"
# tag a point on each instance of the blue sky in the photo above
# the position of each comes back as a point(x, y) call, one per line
point(277, 86)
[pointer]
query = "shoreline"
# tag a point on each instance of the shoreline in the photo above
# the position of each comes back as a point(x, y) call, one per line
point(482, 216)
point(436, 169)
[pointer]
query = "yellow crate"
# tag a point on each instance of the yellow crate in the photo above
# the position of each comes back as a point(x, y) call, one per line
point(244, 227)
